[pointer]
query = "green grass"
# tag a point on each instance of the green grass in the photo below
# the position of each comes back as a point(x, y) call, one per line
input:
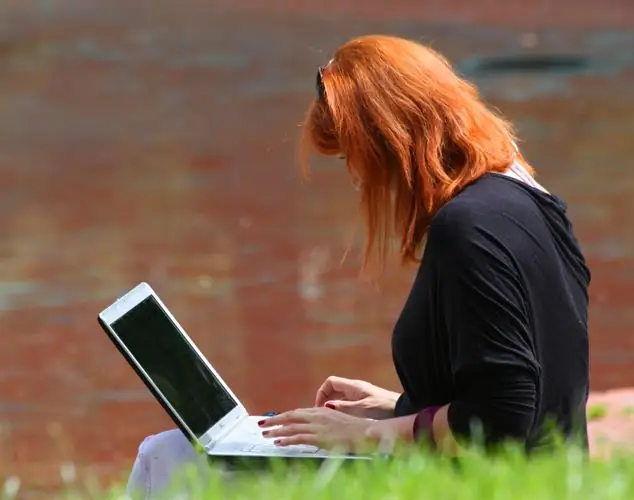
point(628, 411)
point(597, 412)
point(567, 474)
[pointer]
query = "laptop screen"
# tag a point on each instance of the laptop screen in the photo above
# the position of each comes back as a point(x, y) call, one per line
point(174, 367)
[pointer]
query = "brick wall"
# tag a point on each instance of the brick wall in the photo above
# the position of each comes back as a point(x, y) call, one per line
point(150, 142)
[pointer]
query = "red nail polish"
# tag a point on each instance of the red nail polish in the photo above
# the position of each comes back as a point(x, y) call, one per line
point(277, 442)
point(265, 433)
point(261, 423)
point(330, 405)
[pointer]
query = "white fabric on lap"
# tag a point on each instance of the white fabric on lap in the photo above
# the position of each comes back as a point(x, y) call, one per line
point(159, 457)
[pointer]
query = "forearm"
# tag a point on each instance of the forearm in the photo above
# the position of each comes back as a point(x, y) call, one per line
point(489, 420)
point(494, 409)
point(403, 430)
point(510, 422)
point(432, 424)
point(441, 433)
point(502, 406)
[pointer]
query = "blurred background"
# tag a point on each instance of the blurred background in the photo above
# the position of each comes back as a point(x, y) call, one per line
point(155, 140)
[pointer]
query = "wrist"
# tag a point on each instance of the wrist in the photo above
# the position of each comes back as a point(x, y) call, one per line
point(390, 398)
point(386, 433)
point(386, 406)
point(406, 428)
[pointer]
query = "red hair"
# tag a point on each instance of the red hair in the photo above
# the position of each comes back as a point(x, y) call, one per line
point(411, 130)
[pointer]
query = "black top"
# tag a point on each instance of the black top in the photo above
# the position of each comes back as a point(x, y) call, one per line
point(496, 321)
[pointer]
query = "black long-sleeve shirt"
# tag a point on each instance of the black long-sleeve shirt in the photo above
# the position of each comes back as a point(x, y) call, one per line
point(496, 321)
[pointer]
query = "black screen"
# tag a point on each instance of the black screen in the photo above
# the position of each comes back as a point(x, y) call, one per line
point(174, 367)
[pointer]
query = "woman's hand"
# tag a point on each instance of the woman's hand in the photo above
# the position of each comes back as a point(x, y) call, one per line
point(321, 427)
point(330, 429)
point(357, 398)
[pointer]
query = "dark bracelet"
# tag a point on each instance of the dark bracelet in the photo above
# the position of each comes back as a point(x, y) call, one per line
point(423, 425)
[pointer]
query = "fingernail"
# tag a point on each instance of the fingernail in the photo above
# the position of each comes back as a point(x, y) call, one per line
point(330, 405)
point(261, 423)
point(277, 442)
point(265, 433)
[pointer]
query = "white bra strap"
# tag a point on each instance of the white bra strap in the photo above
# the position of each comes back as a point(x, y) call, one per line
point(517, 171)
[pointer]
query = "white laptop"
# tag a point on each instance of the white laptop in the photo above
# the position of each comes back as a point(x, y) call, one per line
point(184, 382)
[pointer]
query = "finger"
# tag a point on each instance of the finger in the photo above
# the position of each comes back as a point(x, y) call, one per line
point(307, 439)
point(348, 407)
point(289, 417)
point(322, 398)
point(331, 389)
point(289, 430)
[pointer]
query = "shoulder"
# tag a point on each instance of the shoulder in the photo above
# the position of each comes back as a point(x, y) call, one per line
point(490, 212)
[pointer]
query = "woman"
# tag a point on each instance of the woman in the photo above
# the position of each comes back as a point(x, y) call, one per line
point(492, 341)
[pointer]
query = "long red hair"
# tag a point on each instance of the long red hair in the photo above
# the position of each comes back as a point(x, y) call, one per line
point(412, 132)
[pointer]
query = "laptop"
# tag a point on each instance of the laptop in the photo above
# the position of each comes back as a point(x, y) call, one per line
point(185, 383)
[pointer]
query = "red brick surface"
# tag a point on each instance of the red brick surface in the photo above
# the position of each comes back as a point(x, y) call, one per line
point(155, 141)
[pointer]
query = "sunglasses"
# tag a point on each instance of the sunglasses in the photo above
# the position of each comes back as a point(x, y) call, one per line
point(320, 87)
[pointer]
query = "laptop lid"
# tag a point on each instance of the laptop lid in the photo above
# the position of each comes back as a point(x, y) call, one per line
point(171, 366)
